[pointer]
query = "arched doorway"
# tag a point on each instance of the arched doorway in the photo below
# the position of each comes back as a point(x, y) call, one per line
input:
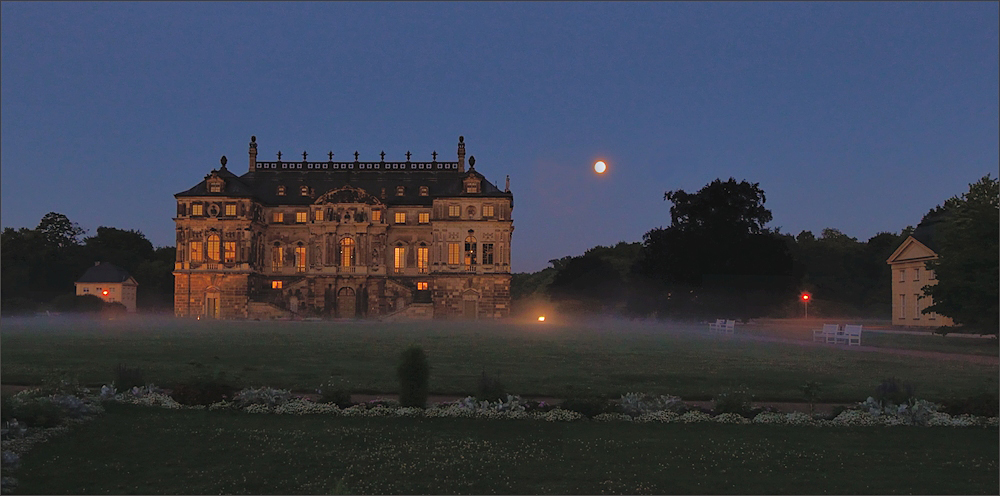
point(212, 304)
point(346, 303)
point(470, 304)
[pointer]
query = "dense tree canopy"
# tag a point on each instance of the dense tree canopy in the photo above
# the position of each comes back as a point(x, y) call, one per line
point(38, 265)
point(965, 231)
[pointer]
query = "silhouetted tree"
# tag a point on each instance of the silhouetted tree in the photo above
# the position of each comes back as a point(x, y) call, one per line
point(966, 231)
point(716, 257)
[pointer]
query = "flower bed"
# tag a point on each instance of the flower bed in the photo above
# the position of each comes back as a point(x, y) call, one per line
point(632, 408)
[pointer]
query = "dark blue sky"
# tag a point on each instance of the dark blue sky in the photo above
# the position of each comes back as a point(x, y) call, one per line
point(856, 116)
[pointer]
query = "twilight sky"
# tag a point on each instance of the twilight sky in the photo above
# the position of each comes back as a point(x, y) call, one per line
point(855, 116)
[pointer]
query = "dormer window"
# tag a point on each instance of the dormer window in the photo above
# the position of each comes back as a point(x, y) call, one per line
point(304, 190)
point(281, 191)
point(215, 184)
point(471, 185)
point(400, 190)
point(423, 191)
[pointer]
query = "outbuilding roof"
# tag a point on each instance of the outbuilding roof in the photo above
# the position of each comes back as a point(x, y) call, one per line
point(104, 272)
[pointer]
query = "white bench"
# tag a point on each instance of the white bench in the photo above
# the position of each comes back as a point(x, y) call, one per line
point(828, 334)
point(723, 325)
point(850, 336)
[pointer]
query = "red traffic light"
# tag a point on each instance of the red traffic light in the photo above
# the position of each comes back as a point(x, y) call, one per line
point(805, 296)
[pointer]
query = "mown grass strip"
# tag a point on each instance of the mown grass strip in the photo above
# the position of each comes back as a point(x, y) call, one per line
point(135, 450)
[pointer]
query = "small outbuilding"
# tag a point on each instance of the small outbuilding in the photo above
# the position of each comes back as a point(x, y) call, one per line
point(110, 283)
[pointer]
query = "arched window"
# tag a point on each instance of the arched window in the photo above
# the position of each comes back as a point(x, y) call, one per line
point(346, 252)
point(213, 247)
point(300, 257)
point(470, 252)
point(277, 257)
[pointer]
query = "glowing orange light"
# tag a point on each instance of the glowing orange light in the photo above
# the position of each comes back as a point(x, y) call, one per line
point(105, 292)
point(541, 318)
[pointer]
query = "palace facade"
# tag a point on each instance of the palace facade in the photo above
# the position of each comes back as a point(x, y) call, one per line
point(404, 239)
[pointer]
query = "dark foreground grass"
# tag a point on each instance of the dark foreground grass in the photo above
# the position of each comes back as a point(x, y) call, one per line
point(609, 358)
point(134, 450)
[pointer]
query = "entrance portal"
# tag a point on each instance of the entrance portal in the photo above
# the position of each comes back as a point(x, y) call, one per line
point(347, 303)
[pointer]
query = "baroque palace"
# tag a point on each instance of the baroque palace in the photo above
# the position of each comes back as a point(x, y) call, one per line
point(344, 240)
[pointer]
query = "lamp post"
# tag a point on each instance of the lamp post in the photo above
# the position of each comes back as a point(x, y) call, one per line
point(805, 297)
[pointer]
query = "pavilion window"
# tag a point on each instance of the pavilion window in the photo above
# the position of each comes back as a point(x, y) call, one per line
point(454, 210)
point(231, 209)
point(196, 255)
point(400, 217)
point(376, 215)
point(487, 210)
point(213, 247)
point(346, 252)
point(197, 209)
point(470, 252)
point(454, 254)
point(301, 217)
point(423, 217)
point(230, 248)
point(488, 253)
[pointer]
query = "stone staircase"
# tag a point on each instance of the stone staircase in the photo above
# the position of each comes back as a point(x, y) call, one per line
point(267, 311)
point(413, 311)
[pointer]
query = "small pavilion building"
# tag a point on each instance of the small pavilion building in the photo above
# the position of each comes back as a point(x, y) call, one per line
point(110, 283)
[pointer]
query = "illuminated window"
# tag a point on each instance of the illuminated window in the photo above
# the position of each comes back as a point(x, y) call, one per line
point(300, 258)
point(318, 216)
point(488, 253)
point(422, 286)
point(399, 190)
point(422, 255)
point(400, 217)
point(230, 248)
point(487, 210)
point(213, 247)
point(470, 252)
point(301, 217)
point(231, 209)
point(423, 191)
point(472, 187)
point(197, 209)
point(281, 191)
point(454, 254)
point(278, 217)
point(214, 188)
point(196, 251)
point(454, 211)
point(276, 285)
point(304, 190)
point(423, 217)
point(277, 257)
point(346, 252)
point(399, 260)
point(376, 215)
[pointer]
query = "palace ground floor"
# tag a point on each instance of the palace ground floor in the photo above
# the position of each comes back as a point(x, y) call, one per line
point(248, 295)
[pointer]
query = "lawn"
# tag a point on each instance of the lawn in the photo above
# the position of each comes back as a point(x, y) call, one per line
point(608, 358)
point(135, 450)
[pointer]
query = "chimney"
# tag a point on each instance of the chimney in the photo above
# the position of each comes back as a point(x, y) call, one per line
point(461, 153)
point(253, 153)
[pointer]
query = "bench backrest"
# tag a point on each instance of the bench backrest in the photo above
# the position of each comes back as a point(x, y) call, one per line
point(831, 327)
point(853, 330)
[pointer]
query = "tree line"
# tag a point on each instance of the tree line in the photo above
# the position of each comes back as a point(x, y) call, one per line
point(39, 265)
point(718, 259)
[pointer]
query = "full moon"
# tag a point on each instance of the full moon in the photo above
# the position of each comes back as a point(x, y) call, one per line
point(600, 167)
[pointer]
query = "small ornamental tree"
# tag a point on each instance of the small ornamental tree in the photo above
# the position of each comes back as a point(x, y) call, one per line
point(413, 372)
